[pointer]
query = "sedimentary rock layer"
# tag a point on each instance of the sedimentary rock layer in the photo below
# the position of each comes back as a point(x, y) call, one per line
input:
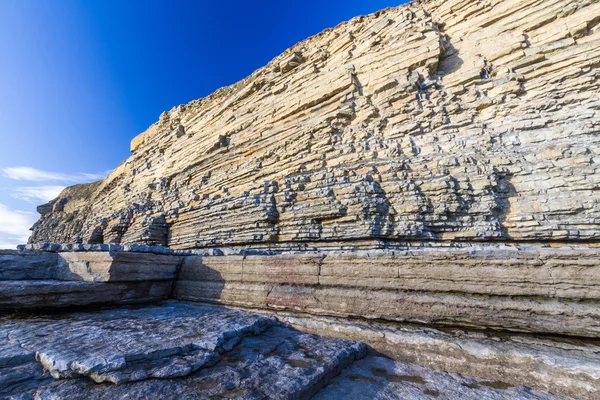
point(502, 288)
point(563, 366)
point(438, 120)
point(129, 345)
point(35, 279)
point(379, 378)
point(174, 351)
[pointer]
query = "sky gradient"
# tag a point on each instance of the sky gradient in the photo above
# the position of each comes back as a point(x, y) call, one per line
point(80, 79)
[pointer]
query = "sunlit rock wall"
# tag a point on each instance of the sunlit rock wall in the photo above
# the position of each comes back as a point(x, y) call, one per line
point(441, 120)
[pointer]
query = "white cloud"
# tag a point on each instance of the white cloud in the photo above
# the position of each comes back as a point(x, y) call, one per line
point(14, 226)
point(37, 194)
point(36, 175)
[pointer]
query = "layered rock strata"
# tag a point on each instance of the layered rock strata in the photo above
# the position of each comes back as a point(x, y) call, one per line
point(364, 178)
point(381, 378)
point(561, 365)
point(33, 279)
point(530, 314)
point(525, 290)
point(439, 120)
point(174, 350)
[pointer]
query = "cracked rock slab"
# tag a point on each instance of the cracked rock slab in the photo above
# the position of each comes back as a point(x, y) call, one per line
point(132, 343)
point(564, 366)
point(281, 363)
point(19, 370)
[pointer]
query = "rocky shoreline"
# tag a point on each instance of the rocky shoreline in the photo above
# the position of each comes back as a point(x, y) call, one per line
point(405, 206)
point(520, 316)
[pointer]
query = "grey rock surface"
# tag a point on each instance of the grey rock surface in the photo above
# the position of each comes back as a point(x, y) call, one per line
point(36, 294)
point(379, 378)
point(132, 343)
point(26, 265)
point(565, 366)
point(179, 350)
point(169, 351)
point(45, 279)
point(279, 364)
point(174, 340)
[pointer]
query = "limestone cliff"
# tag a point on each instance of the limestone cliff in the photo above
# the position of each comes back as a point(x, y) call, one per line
point(438, 120)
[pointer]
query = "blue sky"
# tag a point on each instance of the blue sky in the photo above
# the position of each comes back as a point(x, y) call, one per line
point(79, 79)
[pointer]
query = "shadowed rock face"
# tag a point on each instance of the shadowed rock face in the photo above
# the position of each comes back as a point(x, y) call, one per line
point(132, 344)
point(355, 295)
point(533, 289)
point(32, 280)
point(444, 120)
point(380, 378)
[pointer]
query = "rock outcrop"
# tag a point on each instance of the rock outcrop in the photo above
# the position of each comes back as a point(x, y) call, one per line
point(507, 316)
point(521, 290)
point(34, 280)
point(423, 180)
point(439, 120)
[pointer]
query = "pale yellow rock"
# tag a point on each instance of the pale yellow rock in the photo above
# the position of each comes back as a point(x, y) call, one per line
point(468, 110)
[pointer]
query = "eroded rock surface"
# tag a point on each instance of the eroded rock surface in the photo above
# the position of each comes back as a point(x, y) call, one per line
point(316, 185)
point(379, 378)
point(438, 120)
point(533, 289)
point(566, 366)
point(179, 350)
point(511, 295)
point(46, 279)
point(214, 351)
point(129, 344)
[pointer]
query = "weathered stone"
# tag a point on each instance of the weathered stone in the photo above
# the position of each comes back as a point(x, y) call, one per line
point(436, 120)
point(214, 352)
point(280, 364)
point(379, 378)
point(104, 266)
point(531, 289)
point(379, 156)
point(39, 294)
point(130, 344)
point(26, 265)
point(244, 356)
point(413, 285)
point(560, 365)
point(45, 279)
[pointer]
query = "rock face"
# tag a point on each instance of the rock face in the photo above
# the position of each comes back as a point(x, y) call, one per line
point(34, 280)
point(441, 120)
point(521, 290)
point(380, 378)
point(560, 365)
point(126, 345)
